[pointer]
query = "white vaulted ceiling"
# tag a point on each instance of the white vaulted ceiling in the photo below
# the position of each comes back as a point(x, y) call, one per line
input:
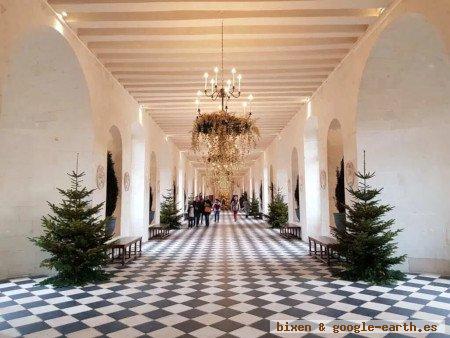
point(159, 50)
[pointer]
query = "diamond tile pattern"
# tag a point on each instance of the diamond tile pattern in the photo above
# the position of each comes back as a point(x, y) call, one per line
point(226, 280)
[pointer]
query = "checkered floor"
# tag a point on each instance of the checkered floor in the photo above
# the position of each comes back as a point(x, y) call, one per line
point(230, 279)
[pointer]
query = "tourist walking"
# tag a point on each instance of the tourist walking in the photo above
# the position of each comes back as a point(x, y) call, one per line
point(207, 211)
point(197, 210)
point(217, 206)
point(202, 206)
point(235, 207)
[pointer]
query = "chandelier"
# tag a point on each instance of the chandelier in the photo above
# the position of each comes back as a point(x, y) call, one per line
point(223, 137)
point(226, 91)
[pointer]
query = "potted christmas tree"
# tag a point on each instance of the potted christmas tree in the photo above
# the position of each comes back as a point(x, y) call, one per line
point(254, 207)
point(339, 197)
point(170, 215)
point(112, 192)
point(278, 211)
point(74, 237)
point(367, 242)
point(297, 199)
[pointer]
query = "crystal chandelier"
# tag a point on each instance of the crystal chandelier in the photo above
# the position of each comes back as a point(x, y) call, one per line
point(227, 90)
point(223, 138)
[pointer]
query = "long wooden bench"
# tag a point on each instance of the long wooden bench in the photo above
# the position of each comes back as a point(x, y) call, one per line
point(326, 252)
point(125, 247)
point(158, 232)
point(291, 231)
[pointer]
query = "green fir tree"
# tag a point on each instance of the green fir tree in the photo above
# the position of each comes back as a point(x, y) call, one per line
point(170, 214)
point(367, 242)
point(74, 237)
point(278, 211)
point(254, 206)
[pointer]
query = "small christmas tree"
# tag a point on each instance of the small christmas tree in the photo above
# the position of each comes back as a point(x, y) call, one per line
point(367, 243)
point(170, 215)
point(112, 186)
point(339, 191)
point(278, 211)
point(75, 237)
point(254, 206)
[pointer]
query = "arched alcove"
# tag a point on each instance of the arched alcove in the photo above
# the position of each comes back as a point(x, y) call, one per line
point(45, 120)
point(312, 177)
point(152, 189)
point(114, 147)
point(175, 182)
point(403, 124)
point(335, 157)
point(272, 188)
point(295, 189)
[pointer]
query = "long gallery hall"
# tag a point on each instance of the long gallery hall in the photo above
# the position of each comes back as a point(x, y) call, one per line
point(243, 168)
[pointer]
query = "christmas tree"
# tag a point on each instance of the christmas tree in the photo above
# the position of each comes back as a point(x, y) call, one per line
point(254, 206)
point(367, 242)
point(75, 237)
point(112, 186)
point(278, 211)
point(339, 191)
point(170, 215)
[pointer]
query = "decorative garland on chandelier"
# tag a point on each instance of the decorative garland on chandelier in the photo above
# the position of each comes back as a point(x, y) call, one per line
point(224, 138)
point(221, 137)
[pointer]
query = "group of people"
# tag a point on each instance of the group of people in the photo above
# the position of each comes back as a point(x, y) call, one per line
point(201, 208)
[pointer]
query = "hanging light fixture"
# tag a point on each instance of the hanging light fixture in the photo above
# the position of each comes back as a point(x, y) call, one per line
point(226, 90)
point(221, 137)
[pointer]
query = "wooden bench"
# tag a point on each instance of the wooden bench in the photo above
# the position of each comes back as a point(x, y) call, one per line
point(125, 248)
point(326, 248)
point(291, 231)
point(158, 232)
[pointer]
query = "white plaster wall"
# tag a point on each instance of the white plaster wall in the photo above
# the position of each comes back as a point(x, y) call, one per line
point(109, 104)
point(337, 98)
point(403, 125)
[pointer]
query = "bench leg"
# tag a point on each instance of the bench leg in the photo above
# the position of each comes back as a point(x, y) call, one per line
point(327, 248)
point(309, 241)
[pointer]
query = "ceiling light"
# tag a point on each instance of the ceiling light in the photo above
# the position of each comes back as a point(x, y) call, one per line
point(64, 14)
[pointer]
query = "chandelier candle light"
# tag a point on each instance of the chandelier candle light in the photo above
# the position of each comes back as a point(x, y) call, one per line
point(227, 89)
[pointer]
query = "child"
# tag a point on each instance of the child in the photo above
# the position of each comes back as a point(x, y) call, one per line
point(191, 216)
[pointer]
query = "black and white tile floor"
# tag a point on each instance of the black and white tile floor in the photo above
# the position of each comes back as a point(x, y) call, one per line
point(230, 279)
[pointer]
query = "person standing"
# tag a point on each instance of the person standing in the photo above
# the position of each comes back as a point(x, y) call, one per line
point(246, 207)
point(197, 210)
point(207, 208)
point(191, 215)
point(235, 207)
point(217, 205)
point(202, 207)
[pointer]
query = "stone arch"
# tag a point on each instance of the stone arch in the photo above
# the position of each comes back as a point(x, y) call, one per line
point(335, 154)
point(114, 146)
point(403, 123)
point(295, 188)
point(45, 120)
